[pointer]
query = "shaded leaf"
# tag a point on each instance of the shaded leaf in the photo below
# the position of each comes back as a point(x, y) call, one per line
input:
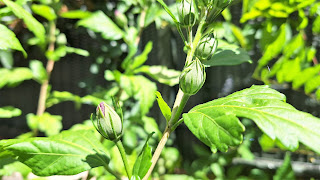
point(216, 124)
point(285, 171)
point(68, 153)
point(228, 55)
point(9, 165)
point(32, 24)
point(165, 109)
point(143, 162)
point(8, 40)
point(9, 112)
point(100, 23)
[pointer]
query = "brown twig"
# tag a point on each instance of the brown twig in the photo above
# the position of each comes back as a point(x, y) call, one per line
point(49, 68)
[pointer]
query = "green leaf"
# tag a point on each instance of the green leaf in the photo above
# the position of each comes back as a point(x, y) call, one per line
point(100, 23)
point(143, 162)
point(141, 58)
point(312, 84)
point(62, 51)
point(216, 124)
point(15, 76)
point(161, 73)
point(57, 97)
point(316, 25)
point(38, 71)
point(47, 123)
point(75, 14)
point(165, 109)
point(8, 166)
point(68, 153)
point(44, 11)
point(32, 24)
point(141, 88)
point(305, 75)
point(273, 48)
point(228, 55)
point(285, 171)
point(167, 9)
point(6, 59)
point(8, 40)
point(9, 112)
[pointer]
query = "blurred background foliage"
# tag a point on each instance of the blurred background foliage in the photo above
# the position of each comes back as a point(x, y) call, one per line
point(130, 49)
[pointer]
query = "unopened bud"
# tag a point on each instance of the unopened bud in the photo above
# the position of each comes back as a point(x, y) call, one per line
point(192, 77)
point(187, 14)
point(206, 48)
point(109, 123)
point(215, 7)
point(120, 18)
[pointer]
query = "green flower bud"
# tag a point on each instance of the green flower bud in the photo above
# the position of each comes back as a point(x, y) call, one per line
point(187, 14)
point(206, 48)
point(215, 7)
point(120, 18)
point(109, 123)
point(192, 77)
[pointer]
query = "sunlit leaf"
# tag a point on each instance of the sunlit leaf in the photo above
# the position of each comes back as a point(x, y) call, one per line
point(9, 112)
point(304, 76)
point(216, 123)
point(47, 123)
point(68, 153)
point(15, 76)
point(75, 14)
point(44, 11)
point(38, 71)
point(161, 73)
point(101, 23)
point(141, 88)
point(32, 24)
point(165, 109)
point(8, 40)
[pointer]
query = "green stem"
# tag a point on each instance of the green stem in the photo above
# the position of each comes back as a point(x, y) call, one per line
point(112, 172)
point(124, 158)
point(195, 42)
point(181, 101)
point(179, 104)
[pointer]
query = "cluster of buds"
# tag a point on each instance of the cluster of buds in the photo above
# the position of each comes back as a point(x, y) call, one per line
point(109, 123)
point(192, 77)
point(206, 48)
point(188, 10)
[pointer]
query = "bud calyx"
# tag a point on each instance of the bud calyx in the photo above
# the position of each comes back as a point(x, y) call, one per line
point(192, 77)
point(109, 123)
